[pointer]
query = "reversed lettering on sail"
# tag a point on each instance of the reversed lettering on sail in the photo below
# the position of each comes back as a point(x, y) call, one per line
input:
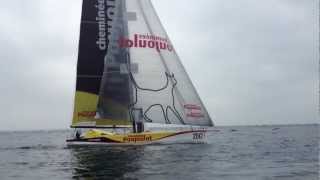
point(163, 89)
point(127, 62)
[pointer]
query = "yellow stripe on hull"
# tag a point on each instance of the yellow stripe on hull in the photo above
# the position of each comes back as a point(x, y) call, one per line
point(100, 136)
point(130, 137)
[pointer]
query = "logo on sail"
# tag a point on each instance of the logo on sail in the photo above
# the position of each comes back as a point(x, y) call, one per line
point(193, 110)
point(87, 114)
point(105, 15)
point(146, 41)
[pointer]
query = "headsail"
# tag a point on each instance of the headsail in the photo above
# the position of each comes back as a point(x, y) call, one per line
point(127, 62)
point(159, 67)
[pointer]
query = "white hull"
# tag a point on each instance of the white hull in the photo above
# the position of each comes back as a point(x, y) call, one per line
point(179, 137)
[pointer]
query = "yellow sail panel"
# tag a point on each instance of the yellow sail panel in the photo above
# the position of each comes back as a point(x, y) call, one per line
point(85, 107)
point(85, 112)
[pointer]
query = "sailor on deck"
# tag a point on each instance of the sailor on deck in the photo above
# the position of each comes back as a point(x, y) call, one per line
point(138, 121)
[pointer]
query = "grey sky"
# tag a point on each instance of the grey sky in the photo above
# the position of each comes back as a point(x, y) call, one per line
point(252, 62)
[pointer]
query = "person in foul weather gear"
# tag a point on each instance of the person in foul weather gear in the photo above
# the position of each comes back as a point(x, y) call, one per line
point(138, 120)
point(78, 134)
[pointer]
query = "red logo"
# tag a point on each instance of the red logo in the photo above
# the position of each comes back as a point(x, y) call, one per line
point(87, 114)
point(193, 110)
point(146, 41)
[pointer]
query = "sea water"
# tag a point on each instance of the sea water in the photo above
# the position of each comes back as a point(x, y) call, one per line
point(231, 153)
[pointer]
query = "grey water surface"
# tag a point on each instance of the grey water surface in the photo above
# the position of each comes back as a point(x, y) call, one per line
point(244, 153)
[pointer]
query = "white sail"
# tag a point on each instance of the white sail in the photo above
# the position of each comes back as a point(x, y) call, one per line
point(127, 62)
point(151, 50)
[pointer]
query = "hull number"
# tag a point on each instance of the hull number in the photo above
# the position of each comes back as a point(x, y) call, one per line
point(198, 135)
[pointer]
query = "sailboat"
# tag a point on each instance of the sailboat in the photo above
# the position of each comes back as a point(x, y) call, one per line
point(131, 86)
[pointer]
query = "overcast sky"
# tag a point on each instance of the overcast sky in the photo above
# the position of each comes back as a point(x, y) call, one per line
point(252, 62)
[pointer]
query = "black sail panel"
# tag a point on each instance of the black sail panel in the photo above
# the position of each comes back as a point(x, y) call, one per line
point(91, 54)
point(97, 20)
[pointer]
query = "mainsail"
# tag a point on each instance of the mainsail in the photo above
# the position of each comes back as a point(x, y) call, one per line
point(102, 92)
point(126, 62)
